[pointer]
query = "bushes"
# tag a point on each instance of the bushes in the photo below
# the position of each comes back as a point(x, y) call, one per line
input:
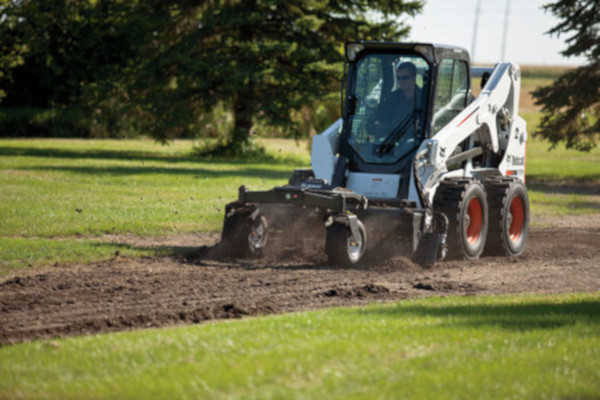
point(115, 119)
point(66, 123)
point(37, 122)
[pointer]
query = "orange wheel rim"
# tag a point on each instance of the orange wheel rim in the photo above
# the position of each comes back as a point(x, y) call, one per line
point(518, 219)
point(475, 213)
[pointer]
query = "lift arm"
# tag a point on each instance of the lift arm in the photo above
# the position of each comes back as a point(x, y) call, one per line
point(492, 114)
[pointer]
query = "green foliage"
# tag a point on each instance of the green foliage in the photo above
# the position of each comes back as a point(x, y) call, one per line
point(571, 104)
point(64, 47)
point(533, 347)
point(40, 122)
point(110, 121)
point(71, 59)
point(571, 108)
point(167, 67)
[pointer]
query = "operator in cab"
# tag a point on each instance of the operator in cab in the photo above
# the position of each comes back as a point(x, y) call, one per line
point(397, 105)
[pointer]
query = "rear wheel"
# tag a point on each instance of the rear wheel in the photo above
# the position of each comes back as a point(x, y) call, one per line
point(245, 235)
point(465, 204)
point(341, 247)
point(509, 217)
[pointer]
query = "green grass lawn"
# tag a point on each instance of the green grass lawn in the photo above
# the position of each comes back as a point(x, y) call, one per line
point(57, 188)
point(58, 197)
point(561, 181)
point(524, 347)
point(561, 164)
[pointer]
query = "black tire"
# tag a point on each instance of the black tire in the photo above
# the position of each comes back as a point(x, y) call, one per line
point(340, 246)
point(509, 217)
point(244, 235)
point(464, 202)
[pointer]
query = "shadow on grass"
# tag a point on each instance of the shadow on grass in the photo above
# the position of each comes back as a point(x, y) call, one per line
point(576, 205)
point(196, 172)
point(589, 186)
point(66, 252)
point(97, 252)
point(517, 317)
point(119, 248)
point(132, 155)
point(125, 155)
point(584, 205)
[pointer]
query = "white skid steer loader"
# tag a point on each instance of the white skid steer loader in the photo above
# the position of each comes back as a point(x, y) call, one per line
point(416, 163)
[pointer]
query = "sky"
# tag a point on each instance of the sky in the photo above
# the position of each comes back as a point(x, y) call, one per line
point(452, 22)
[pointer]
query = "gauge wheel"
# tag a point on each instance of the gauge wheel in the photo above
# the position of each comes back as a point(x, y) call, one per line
point(245, 235)
point(341, 247)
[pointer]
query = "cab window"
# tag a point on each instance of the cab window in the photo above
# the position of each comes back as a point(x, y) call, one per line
point(451, 92)
point(389, 93)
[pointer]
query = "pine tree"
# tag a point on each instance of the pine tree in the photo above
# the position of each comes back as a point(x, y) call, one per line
point(571, 104)
point(261, 58)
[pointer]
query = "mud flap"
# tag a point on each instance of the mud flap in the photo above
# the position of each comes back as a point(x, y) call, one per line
point(427, 253)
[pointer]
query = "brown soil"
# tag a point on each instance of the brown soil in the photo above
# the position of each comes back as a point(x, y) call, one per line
point(198, 286)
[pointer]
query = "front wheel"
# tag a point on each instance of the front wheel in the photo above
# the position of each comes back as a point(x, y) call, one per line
point(465, 204)
point(341, 247)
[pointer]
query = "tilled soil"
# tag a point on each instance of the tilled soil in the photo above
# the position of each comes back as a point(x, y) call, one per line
point(123, 293)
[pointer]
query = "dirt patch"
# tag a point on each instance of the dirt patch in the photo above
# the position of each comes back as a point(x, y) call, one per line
point(126, 293)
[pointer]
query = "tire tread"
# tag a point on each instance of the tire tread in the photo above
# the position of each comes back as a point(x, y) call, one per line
point(449, 199)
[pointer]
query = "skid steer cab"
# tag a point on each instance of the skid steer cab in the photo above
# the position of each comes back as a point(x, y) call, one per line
point(416, 165)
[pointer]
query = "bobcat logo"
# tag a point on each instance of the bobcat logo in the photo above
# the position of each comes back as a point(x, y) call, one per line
point(515, 160)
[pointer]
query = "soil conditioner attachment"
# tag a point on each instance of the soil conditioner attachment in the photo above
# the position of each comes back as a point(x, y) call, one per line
point(416, 165)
